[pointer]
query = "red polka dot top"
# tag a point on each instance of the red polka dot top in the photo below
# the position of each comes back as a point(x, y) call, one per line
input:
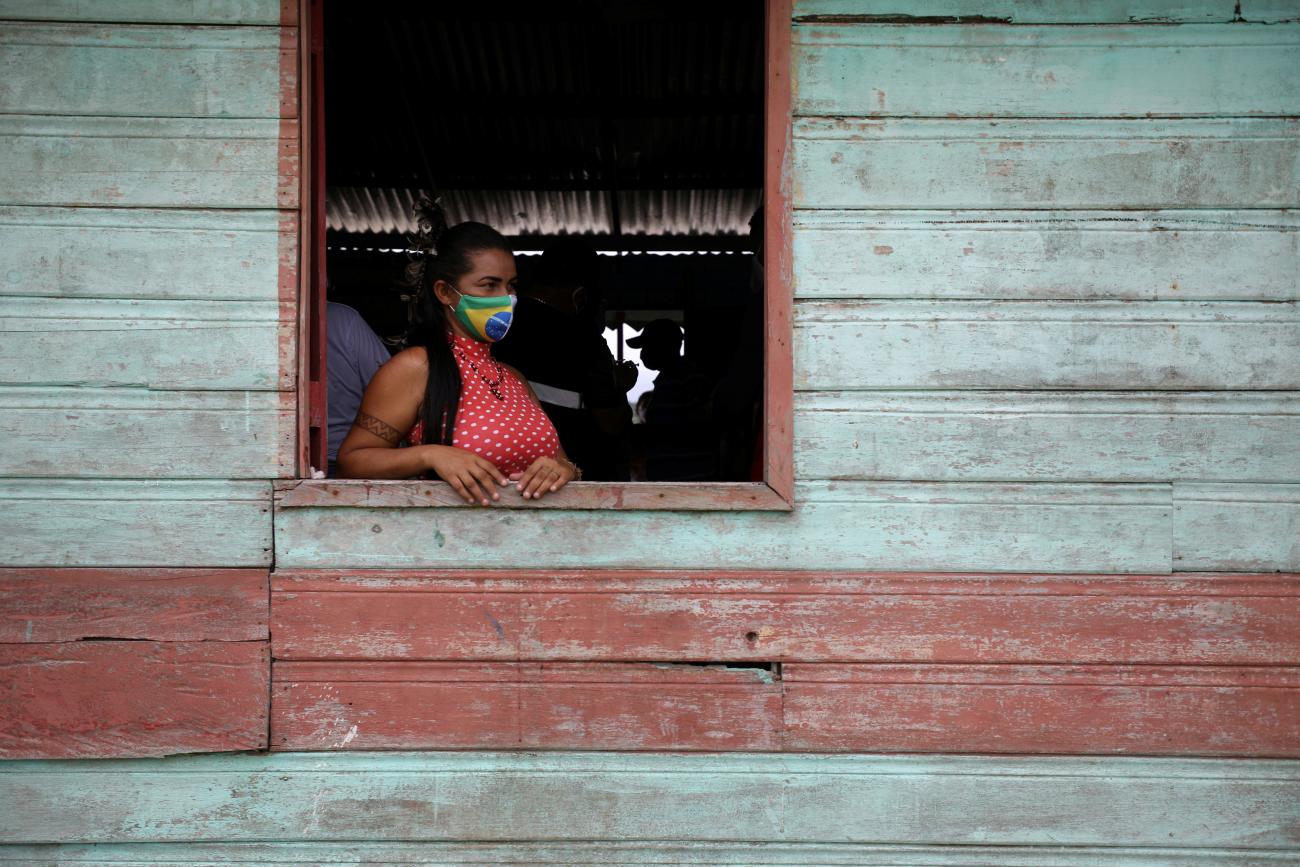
point(497, 418)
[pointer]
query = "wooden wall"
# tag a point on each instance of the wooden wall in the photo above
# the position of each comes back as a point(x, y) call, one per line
point(148, 245)
point(1036, 589)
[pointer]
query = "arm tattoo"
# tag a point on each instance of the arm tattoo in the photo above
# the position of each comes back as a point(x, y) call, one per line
point(378, 427)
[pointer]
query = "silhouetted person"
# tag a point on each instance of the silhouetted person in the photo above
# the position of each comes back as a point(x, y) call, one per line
point(554, 343)
point(679, 441)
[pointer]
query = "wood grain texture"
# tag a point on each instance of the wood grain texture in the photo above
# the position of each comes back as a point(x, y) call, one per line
point(844, 525)
point(1051, 255)
point(72, 522)
point(1224, 70)
point(53, 605)
point(1143, 710)
point(144, 253)
point(778, 253)
point(91, 69)
point(1047, 345)
point(1056, 164)
point(1236, 526)
point(139, 434)
point(409, 493)
point(1115, 802)
point(1049, 436)
point(623, 852)
point(784, 617)
point(154, 344)
point(90, 699)
point(414, 705)
point(1021, 11)
point(146, 11)
point(146, 162)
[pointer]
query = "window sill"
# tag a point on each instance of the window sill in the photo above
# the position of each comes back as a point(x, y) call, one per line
point(407, 494)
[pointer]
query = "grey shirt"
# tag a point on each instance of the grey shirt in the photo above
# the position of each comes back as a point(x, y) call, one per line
point(355, 353)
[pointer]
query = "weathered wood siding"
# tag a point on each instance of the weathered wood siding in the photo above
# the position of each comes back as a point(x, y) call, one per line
point(148, 226)
point(148, 248)
point(1046, 349)
point(1046, 309)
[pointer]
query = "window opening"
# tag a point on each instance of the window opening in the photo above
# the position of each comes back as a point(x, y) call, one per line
point(632, 130)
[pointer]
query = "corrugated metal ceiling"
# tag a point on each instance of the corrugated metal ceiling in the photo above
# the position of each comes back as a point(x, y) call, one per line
point(632, 119)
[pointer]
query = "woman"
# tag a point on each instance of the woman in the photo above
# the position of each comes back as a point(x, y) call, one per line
point(471, 420)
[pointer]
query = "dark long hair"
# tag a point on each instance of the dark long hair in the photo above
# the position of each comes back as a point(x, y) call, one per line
point(442, 253)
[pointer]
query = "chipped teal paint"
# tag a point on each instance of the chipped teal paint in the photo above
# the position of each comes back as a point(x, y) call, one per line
point(159, 344)
point(145, 11)
point(1188, 255)
point(1188, 71)
point(143, 434)
point(618, 852)
point(143, 254)
point(1121, 802)
point(82, 522)
point(1046, 436)
point(1032, 11)
point(141, 162)
point(95, 70)
point(1239, 528)
point(1043, 163)
point(1046, 345)
point(836, 525)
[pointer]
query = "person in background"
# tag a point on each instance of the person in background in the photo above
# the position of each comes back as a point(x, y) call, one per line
point(679, 440)
point(555, 344)
point(466, 417)
point(354, 354)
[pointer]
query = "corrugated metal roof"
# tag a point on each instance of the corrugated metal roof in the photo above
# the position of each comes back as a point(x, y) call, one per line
point(644, 213)
point(529, 116)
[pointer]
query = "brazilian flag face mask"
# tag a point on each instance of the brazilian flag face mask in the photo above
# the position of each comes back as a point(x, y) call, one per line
point(487, 318)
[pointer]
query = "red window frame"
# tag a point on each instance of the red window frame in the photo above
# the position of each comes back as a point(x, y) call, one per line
point(775, 492)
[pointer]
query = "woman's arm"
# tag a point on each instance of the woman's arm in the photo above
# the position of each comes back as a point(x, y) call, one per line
point(389, 409)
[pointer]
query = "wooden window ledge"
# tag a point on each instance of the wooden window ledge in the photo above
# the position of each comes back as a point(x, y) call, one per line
point(406, 494)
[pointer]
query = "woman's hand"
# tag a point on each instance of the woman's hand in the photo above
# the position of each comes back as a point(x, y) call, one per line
point(468, 474)
point(545, 474)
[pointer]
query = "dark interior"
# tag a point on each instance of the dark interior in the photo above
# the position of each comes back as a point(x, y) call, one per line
point(637, 126)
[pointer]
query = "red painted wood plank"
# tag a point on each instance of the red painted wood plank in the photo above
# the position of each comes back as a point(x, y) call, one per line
point(778, 254)
point(776, 582)
point(47, 605)
point(776, 617)
point(1146, 711)
point(380, 706)
point(99, 699)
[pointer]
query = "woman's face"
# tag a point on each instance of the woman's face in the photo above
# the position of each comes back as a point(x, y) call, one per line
point(492, 273)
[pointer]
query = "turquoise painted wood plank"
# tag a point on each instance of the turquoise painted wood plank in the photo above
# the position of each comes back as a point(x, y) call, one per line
point(1046, 345)
point(91, 69)
point(1086, 255)
point(1048, 436)
point(1120, 802)
point(632, 852)
point(154, 344)
point(1244, 528)
point(1270, 11)
point(129, 253)
point(1223, 70)
point(70, 522)
point(139, 434)
point(148, 162)
point(160, 11)
point(1021, 11)
point(1089, 164)
point(838, 525)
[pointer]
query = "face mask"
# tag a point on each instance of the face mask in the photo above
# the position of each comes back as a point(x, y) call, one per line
point(488, 319)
